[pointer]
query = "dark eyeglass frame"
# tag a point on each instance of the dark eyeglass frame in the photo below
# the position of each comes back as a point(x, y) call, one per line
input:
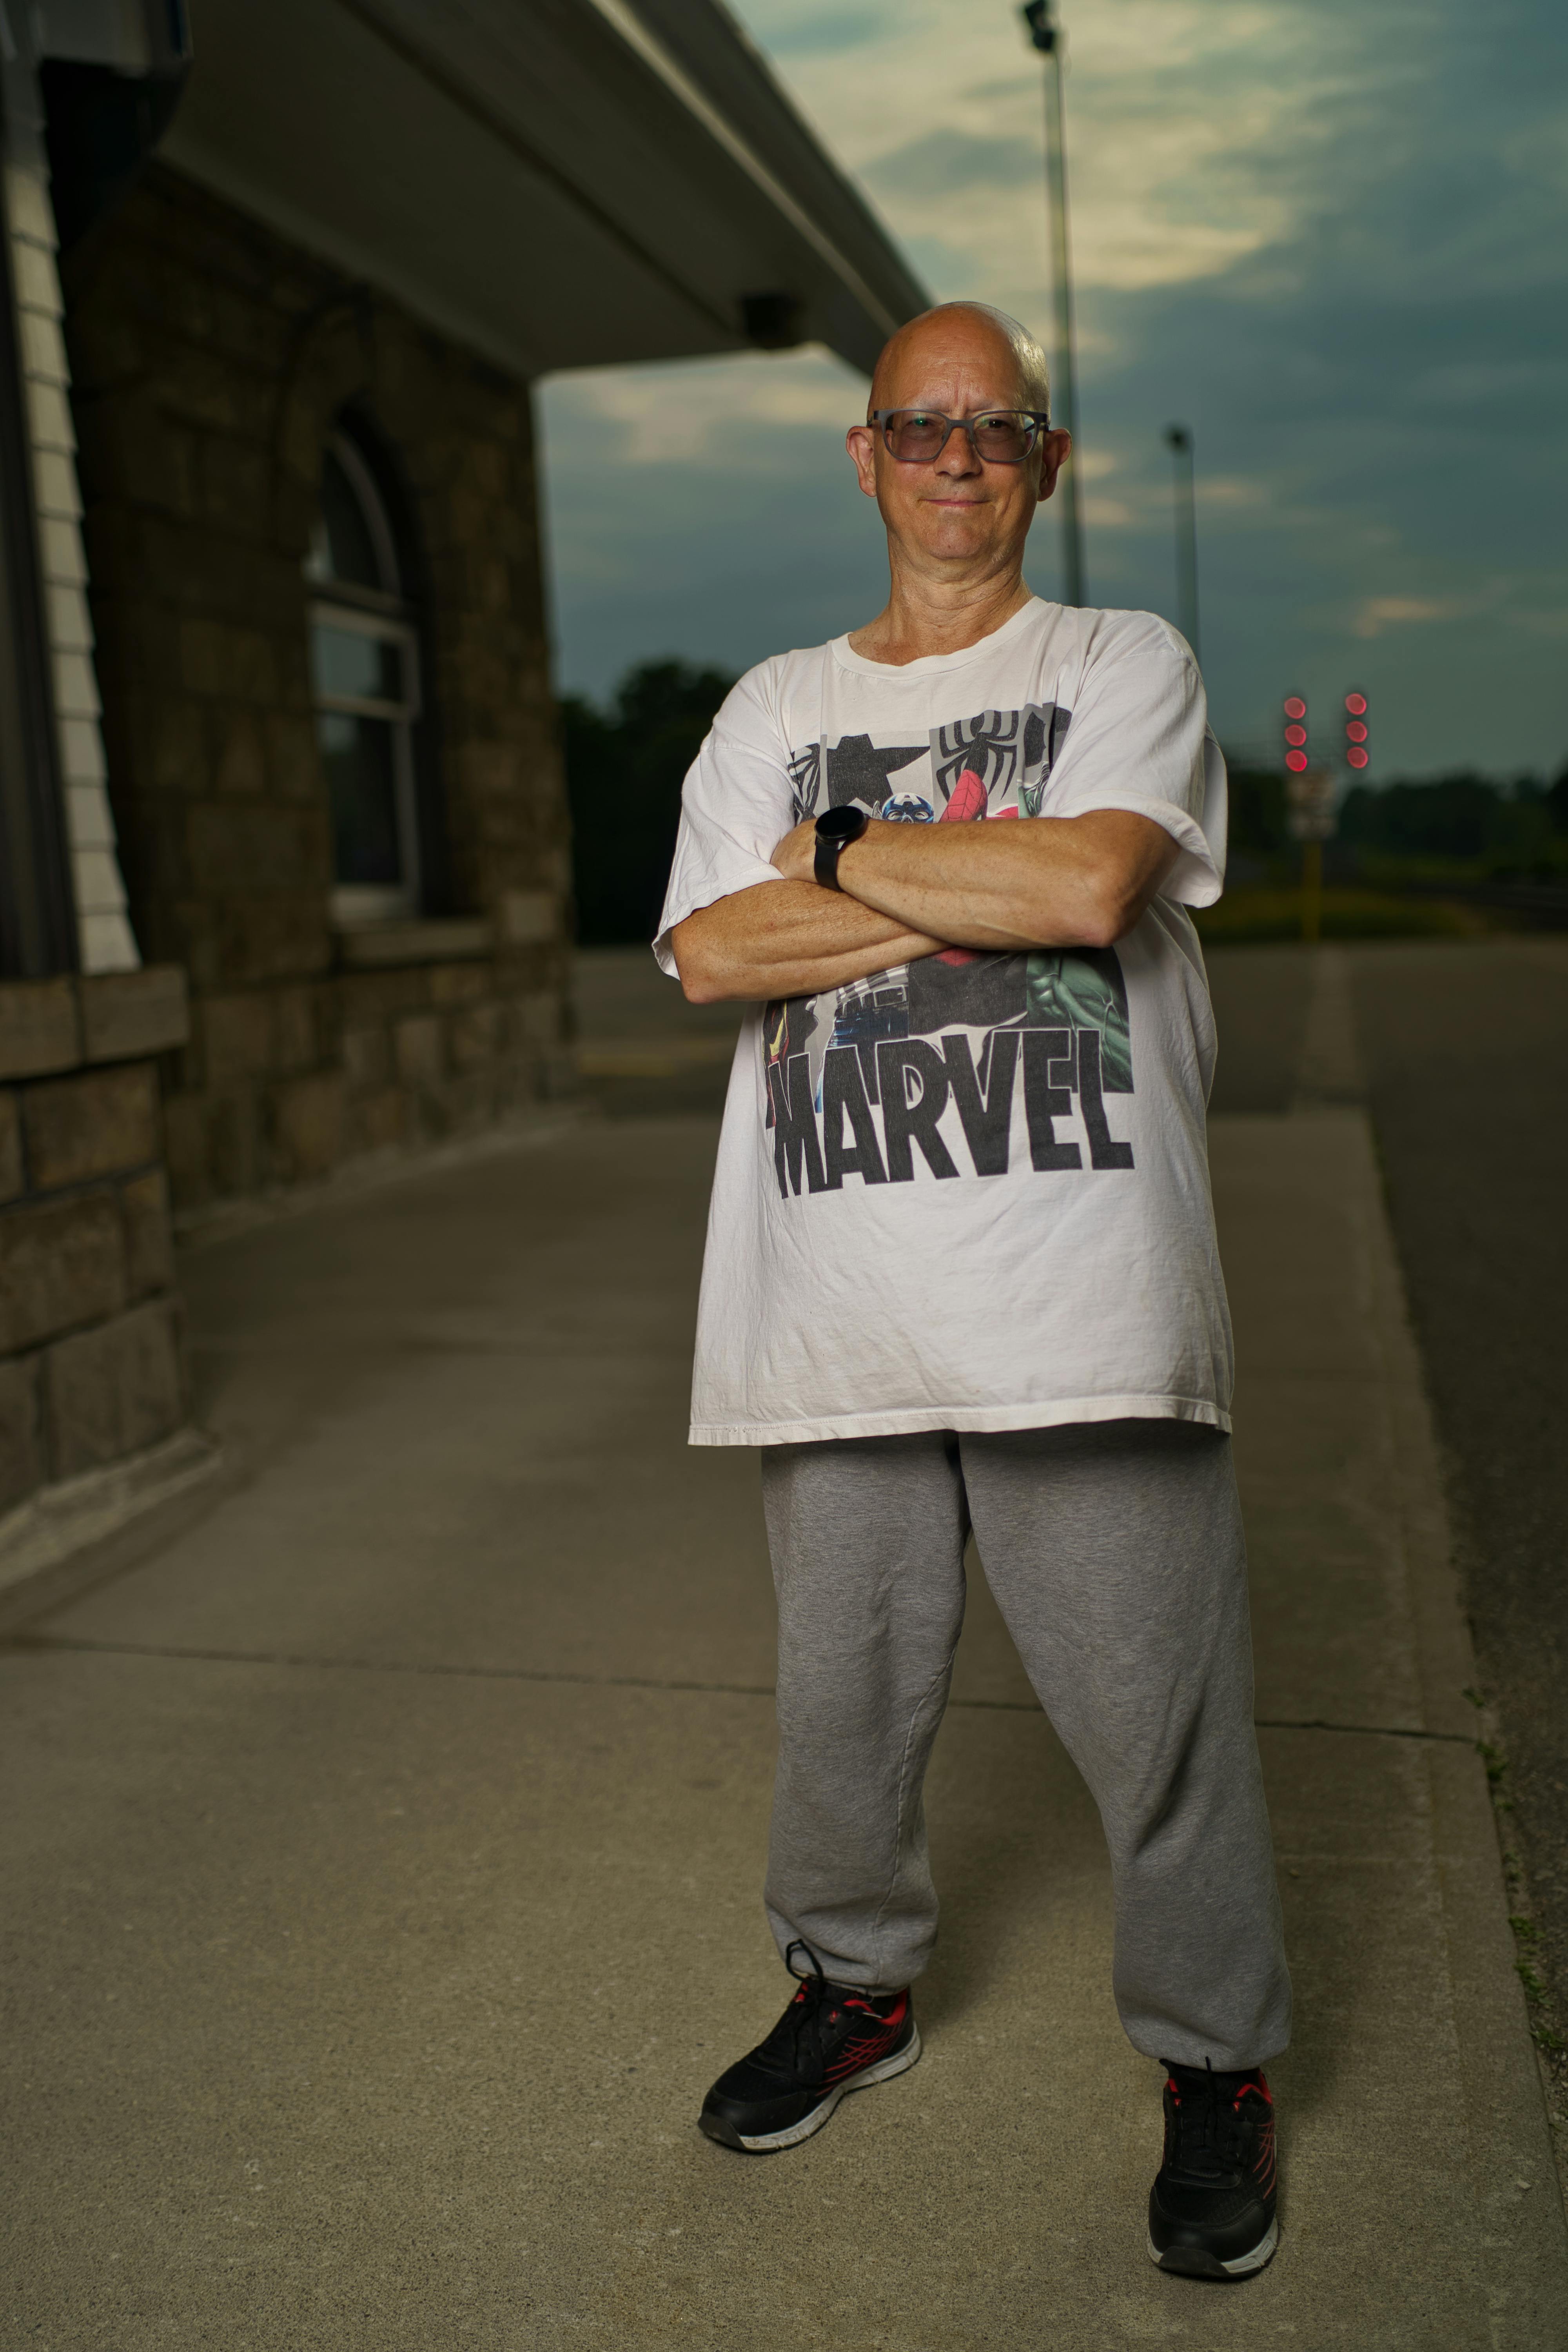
point(1037, 419)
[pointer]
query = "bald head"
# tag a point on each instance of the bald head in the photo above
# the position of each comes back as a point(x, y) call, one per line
point(895, 383)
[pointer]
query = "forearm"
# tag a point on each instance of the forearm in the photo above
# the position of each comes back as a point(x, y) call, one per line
point(1040, 882)
point(787, 938)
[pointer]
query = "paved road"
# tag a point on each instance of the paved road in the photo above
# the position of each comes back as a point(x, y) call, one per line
point(1465, 1049)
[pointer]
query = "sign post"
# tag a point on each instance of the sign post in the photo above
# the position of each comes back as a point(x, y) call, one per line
point(1309, 796)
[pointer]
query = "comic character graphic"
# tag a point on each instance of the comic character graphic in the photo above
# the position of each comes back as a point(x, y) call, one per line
point(868, 1010)
point(1002, 751)
point(805, 780)
point(793, 1026)
point(994, 765)
point(1083, 988)
point(986, 991)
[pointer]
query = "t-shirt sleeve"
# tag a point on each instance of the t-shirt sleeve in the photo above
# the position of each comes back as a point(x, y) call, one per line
point(736, 805)
point(1139, 739)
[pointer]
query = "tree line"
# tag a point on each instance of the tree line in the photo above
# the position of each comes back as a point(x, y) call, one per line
point(625, 762)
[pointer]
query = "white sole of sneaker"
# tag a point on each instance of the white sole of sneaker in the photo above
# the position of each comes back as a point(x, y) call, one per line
point(1193, 2262)
point(898, 2064)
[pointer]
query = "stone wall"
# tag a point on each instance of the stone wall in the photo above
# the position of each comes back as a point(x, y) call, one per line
point(210, 361)
point(90, 1364)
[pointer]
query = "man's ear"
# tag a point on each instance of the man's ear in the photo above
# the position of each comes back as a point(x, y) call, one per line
point(1054, 452)
point(861, 443)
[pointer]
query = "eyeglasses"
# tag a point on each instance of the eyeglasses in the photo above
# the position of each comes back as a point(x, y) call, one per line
point(1002, 437)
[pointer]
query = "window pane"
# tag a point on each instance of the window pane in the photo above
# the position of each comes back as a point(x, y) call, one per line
point(358, 757)
point(349, 552)
point(346, 661)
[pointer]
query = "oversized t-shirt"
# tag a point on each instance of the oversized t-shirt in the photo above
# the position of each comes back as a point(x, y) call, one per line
point(971, 1192)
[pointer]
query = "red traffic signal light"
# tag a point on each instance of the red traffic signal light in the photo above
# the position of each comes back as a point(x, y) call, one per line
point(1356, 731)
point(1295, 733)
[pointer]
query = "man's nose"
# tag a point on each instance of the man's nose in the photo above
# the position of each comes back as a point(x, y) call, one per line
point(958, 458)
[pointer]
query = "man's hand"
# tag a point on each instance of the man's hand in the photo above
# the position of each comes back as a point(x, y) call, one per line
point(787, 938)
point(1041, 882)
point(795, 856)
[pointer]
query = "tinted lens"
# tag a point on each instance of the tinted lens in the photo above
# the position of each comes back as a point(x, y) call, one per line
point(915, 435)
point(1005, 438)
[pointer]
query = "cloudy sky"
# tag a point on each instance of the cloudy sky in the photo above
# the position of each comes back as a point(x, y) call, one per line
point(1332, 235)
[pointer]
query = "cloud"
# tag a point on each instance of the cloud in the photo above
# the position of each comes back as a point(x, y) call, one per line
point(942, 162)
point(1331, 238)
point(1379, 613)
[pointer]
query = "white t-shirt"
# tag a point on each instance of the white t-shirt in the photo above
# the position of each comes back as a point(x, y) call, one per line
point(971, 1193)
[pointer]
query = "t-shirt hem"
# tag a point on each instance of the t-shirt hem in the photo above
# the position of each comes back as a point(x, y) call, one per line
point(901, 1422)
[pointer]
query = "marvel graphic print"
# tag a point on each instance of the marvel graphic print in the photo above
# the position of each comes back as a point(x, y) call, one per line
point(861, 1079)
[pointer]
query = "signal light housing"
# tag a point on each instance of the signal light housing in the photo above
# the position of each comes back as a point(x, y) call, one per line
point(1295, 733)
point(1356, 729)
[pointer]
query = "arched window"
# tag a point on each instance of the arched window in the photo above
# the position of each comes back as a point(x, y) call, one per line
point(364, 665)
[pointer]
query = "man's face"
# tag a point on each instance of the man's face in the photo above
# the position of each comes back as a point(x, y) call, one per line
point(956, 511)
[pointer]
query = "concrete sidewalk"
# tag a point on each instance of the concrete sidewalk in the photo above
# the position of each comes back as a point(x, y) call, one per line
point(383, 1844)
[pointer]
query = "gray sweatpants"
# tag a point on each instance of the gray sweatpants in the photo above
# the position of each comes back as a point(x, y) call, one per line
point(1115, 1553)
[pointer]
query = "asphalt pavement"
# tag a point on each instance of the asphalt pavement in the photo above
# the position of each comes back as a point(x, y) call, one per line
point(1464, 1065)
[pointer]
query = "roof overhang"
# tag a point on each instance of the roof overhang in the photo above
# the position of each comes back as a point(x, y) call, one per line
point(557, 184)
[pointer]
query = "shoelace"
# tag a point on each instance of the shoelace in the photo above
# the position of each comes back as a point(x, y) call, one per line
point(800, 2034)
point(1209, 2133)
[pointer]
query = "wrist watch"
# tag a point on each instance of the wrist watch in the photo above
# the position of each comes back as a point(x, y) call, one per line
point(836, 829)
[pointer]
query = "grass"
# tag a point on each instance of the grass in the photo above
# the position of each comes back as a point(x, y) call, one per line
point(1258, 912)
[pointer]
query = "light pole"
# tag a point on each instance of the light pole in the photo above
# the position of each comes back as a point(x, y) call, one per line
point(1179, 441)
point(1047, 38)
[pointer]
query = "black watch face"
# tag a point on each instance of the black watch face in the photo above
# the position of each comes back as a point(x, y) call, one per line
point(847, 824)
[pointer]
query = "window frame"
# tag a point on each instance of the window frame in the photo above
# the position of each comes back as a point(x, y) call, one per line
point(387, 615)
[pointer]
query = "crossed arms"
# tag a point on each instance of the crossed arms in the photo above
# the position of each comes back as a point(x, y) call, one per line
point(908, 891)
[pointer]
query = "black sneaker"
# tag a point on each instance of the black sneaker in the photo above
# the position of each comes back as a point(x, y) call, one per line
point(1211, 2210)
point(831, 2038)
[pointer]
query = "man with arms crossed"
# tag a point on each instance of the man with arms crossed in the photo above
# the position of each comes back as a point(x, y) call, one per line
point(962, 1271)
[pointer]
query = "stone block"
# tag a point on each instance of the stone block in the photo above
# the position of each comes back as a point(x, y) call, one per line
point(527, 917)
point(39, 1028)
point(539, 1019)
point(112, 1391)
point(475, 1035)
point(460, 983)
point(177, 750)
point(367, 1060)
point(11, 1177)
point(293, 761)
point(275, 935)
point(308, 1126)
point(242, 762)
point(421, 1060)
point(22, 1465)
point(216, 657)
point(234, 1143)
point(236, 1037)
point(294, 1014)
point(374, 1000)
point(98, 1123)
point(62, 1263)
point(149, 1240)
point(253, 846)
point(234, 485)
point(185, 1149)
point(377, 1121)
point(127, 1015)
